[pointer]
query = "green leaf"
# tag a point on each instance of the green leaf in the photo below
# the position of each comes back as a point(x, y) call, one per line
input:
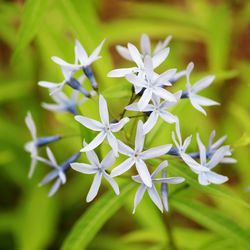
point(212, 219)
point(34, 11)
point(91, 222)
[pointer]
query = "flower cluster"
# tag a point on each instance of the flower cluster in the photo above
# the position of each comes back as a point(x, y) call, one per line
point(151, 99)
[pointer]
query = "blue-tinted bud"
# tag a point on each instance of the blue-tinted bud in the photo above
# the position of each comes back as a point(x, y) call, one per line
point(42, 141)
point(184, 94)
point(74, 84)
point(66, 165)
point(89, 74)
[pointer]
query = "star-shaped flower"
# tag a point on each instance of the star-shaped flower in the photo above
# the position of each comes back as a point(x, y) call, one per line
point(156, 109)
point(58, 172)
point(204, 169)
point(64, 103)
point(32, 146)
point(196, 100)
point(152, 84)
point(152, 191)
point(75, 84)
point(137, 156)
point(99, 169)
point(138, 58)
point(105, 127)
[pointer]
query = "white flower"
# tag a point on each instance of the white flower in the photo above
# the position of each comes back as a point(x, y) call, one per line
point(82, 59)
point(145, 48)
point(64, 103)
point(203, 169)
point(157, 109)
point(152, 191)
point(138, 58)
point(137, 156)
point(105, 127)
point(213, 146)
point(68, 79)
point(196, 100)
point(99, 169)
point(181, 146)
point(58, 172)
point(152, 84)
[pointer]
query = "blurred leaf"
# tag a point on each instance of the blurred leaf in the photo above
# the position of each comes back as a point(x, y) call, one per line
point(212, 219)
point(34, 11)
point(91, 222)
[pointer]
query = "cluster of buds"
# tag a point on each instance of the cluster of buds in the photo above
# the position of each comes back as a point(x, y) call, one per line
point(151, 99)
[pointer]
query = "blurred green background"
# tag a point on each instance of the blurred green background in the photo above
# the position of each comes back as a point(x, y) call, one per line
point(214, 34)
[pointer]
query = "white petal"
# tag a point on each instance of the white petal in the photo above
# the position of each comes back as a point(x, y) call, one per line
point(32, 167)
point(94, 187)
point(164, 78)
point(138, 196)
point(219, 142)
point(202, 84)
point(115, 127)
point(202, 150)
point(122, 168)
point(145, 98)
point(161, 166)
point(216, 178)
point(135, 55)
point(150, 123)
point(89, 123)
point(170, 180)
point(197, 106)
point(51, 156)
point(145, 45)
point(124, 149)
point(203, 101)
point(148, 67)
point(218, 156)
point(31, 125)
point(49, 85)
point(121, 72)
point(108, 160)
point(62, 176)
point(53, 107)
point(55, 187)
point(160, 57)
point(155, 152)
point(95, 142)
point(50, 176)
point(139, 138)
point(136, 80)
point(80, 52)
point(154, 196)
point(195, 166)
point(168, 117)
point(113, 143)
point(186, 143)
point(92, 156)
point(103, 110)
point(83, 168)
point(95, 55)
point(190, 67)
point(112, 182)
point(142, 170)
point(123, 51)
point(203, 180)
point(164, 94)
point(61, 62)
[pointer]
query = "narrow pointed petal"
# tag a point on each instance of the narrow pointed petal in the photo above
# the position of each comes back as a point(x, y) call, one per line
point(50, 176)
point(92, 156)
point(164, 94)
point(216, 178)
point(115, 127)
point(103, 110)
point(32, 167)
point(203, 101)
point(148, 66)
point(31, 125)
point(113, 143)
point(202, 150)
point(142, 170)
point(135, 55)
point(186, 143)
point(80, 53)
point(145, 45)
point(121, 72)
point(168, 117)
point(138, 196)
point(161, 166)
point(122, 168)
point(61, 62)
point(89, 123)
point(192, 163)
point(219, 142)
point(160, 57)
point(145, 99)
point(155, 152)
point(55, 187)
point(154, 196)
point(197, 106)
point(164, 78)
point(203, 83)
point(94, 187)
point(51, 156)
point(124, 149)
point(95, 55)
point(218, 156)
point(139, 138)
point(124, 52)
point(109, 160)
point(170, 180)
point(83, 168)
point(203, 180)
point(113, 183)
point(150, 123)
point(95, 142)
